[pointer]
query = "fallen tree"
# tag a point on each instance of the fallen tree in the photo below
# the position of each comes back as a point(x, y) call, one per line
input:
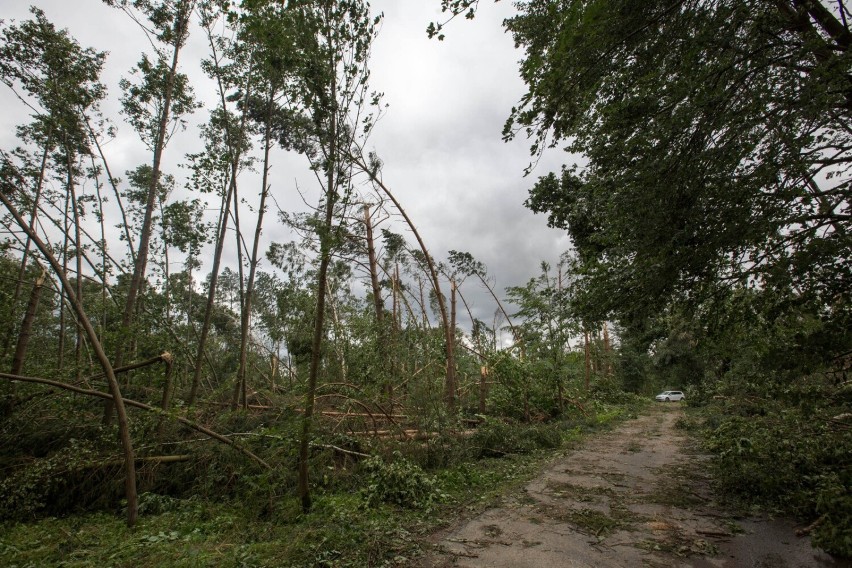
point(136, 404)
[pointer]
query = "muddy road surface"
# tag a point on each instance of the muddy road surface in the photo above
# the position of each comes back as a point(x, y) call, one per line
point(635, 496)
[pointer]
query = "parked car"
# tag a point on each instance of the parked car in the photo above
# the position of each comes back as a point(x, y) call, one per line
point(669, 396)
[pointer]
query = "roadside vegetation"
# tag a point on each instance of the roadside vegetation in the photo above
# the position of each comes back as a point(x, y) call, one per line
point(784, 450)
point(181, 390)
point(375, 500)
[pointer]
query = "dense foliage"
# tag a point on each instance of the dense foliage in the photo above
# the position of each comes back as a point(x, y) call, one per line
point(330, 385)
point(710, 210)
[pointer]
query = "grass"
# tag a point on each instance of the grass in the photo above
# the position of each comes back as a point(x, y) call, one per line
point(341, 530)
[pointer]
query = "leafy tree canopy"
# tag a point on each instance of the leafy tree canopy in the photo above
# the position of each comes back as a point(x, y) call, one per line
point(716, 138)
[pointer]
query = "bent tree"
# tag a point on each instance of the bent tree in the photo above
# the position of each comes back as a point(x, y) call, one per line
point(61, 81)
point(371, 166)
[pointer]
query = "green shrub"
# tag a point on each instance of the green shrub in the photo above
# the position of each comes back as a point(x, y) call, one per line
point(400, 482)
point(833, 533)
point(780, 451)
point(495, 438)
point(53, 483)
point(156, 504)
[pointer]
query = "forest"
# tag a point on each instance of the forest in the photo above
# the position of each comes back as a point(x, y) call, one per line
point(174, 381)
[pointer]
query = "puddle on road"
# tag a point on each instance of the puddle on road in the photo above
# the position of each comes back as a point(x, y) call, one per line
point(767, 544)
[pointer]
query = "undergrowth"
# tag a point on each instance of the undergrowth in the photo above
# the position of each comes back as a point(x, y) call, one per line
point(215, 509)
point(785, 448)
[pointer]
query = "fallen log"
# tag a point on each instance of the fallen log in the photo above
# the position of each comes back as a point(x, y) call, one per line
point(143, 406)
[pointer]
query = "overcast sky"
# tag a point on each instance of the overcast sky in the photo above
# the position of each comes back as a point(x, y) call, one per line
point(440, 139)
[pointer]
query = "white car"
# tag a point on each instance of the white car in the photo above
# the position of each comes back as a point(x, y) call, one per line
point(669, 396)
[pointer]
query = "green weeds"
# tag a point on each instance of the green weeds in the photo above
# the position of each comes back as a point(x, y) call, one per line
point(372, 512)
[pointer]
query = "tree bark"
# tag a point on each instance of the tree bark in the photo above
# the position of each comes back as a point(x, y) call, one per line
point(27, 325)
point(245, 320)
point(316, 343)
point(587, 356)
point(166, 401)
point(451, 391)
point(78, 257)
point(373, 264)
point(483, 388)
point(220, 239)
point(22, 271)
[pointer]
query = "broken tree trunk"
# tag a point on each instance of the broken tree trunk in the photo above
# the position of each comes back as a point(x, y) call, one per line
point(27, 325)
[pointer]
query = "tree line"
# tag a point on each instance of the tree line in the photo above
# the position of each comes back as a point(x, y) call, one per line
point(289, 326)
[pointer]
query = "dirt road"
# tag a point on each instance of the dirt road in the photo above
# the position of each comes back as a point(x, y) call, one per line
point(634, 496)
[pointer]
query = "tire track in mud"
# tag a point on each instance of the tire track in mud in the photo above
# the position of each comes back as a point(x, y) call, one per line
point(634, 496)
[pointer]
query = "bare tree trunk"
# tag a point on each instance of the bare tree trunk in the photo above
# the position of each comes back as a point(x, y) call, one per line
point(316, 343)
point(78, 255)
point(168, 360)
point(247, 301)
point(220, 240)
point(587, 356)
point(27, 326)
point(274, 363)
point(167, 288)
point(22, 271)
point(423, 303)
point(104, 269)
point(60, 363)
point(239, 385)
point(211, 290)
point(596, 352)
point(397, 316)
point(395, 327)
point(483, 388)
point(451, 389)
point(373, 264)
point(339, 336)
